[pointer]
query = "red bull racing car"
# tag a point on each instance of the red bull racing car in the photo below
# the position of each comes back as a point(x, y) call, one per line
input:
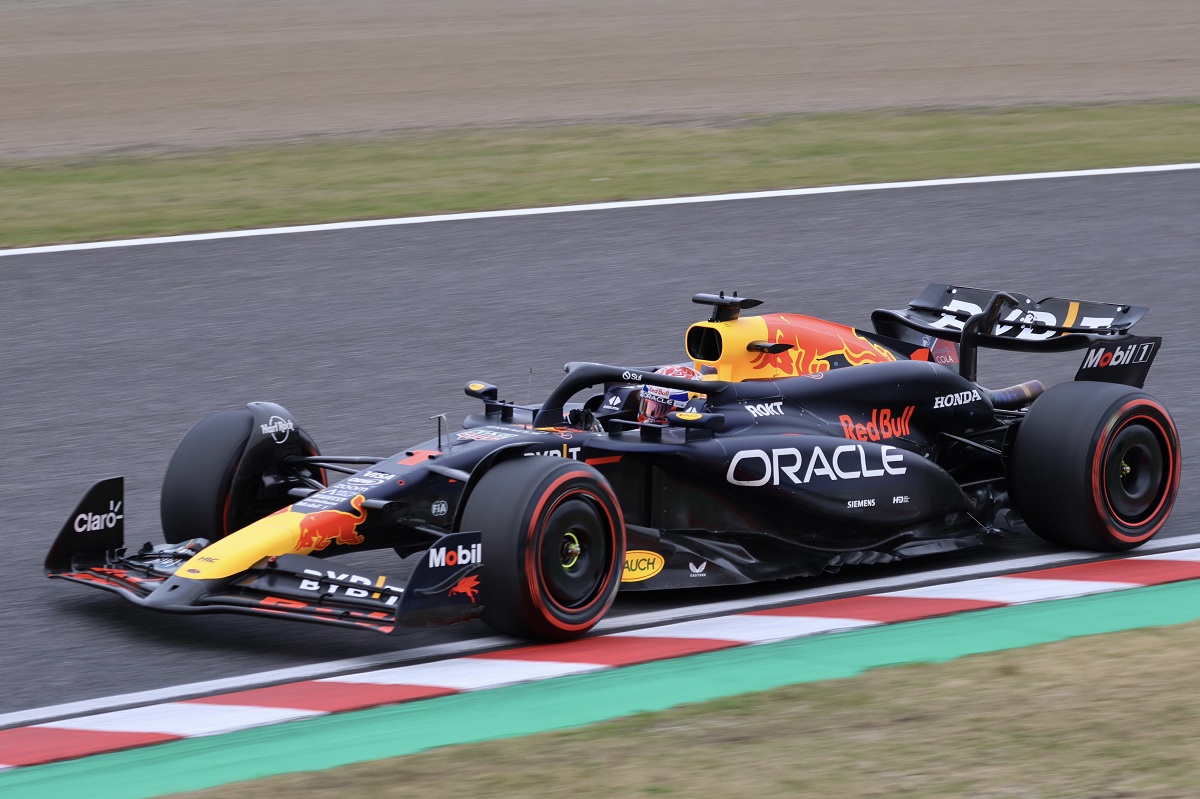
point(786, 446)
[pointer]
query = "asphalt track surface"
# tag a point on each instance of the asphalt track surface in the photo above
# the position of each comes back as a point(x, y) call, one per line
point(110, 355)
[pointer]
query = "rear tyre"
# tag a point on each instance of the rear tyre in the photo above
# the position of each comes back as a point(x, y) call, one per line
point(1096, 466)
point(211, 489)
point(553, 547)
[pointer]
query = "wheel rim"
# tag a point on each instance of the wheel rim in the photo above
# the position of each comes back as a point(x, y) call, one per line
point(1134, 474)
point(574, 553)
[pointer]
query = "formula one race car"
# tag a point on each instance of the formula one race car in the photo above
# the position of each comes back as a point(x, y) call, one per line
point(788, 446)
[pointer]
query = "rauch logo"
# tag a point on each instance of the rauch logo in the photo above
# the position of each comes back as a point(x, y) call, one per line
point(641, 564)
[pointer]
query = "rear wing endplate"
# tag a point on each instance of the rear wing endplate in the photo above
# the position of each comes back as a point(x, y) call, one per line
point(1126, 360)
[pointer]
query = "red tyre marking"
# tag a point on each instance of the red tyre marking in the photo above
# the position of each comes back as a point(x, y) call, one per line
point(1171, 483)
point(533, 560)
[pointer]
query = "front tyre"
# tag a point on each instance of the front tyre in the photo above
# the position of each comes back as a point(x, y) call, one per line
point(553, 547)
point(1096, 466)
point(217, 482)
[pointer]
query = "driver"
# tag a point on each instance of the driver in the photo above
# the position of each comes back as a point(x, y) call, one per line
point(657, 401)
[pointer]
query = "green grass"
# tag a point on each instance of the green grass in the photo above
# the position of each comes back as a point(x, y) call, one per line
point(123, 196)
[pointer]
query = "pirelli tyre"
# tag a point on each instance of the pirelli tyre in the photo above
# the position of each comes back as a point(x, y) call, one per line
point(553, 547)
point(225, 474)
point(1096, 466)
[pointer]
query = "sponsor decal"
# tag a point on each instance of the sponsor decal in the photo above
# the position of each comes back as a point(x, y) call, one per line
point(278, 428)
point(348, 489)
point(756, 467)
point(476, 386)
point(94, 522)
point(1127, 360)
point(1101, 356)
point(900, 500)
point(959, 398)
point(467, 586)
point(613, 402)
point(816, 345)
point(688, 416)
point(884, 424)
point(762, 409)
point(860, 503)
point(324, 527)
point(329, 589)
point(697, 570)
point(641, 564)
point(328, 497)
point(484, 435)
point(459, 556)
point(562, 452)
point(366, 479)
point(661, 392)
point(632, 377)
point(439, 508)
point(1024, 320)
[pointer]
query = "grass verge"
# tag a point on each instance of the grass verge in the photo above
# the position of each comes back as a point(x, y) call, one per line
point(123, 196)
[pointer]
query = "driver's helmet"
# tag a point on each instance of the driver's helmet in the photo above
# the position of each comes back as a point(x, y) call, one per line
point(658, 401)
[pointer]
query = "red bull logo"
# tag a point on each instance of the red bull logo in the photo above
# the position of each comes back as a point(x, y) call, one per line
point(883, 424)
point(817, 346)
point(467, 586)
point(324, 527)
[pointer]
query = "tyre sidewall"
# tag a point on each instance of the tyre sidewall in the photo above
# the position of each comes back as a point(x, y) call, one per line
point(195, 491)
point(1062, 449)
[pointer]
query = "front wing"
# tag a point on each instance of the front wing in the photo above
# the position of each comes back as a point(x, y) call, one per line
point(90, 550)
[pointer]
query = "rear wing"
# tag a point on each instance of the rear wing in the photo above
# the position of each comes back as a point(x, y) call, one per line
point(1051, 325)
point(975, 318)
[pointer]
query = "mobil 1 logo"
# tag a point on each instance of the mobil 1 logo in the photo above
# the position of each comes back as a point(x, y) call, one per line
point(1126, 360)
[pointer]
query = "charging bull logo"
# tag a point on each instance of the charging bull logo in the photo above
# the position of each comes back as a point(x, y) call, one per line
point(319, 530)
point(467, 586)
point(817, 346)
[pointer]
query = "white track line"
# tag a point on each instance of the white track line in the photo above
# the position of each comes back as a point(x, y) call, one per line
point(749, 629)
point(466, 674)
point(184, 720)
point(564, 209)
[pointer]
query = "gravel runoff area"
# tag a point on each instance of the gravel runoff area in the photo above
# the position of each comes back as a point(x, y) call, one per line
point(92, 76)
